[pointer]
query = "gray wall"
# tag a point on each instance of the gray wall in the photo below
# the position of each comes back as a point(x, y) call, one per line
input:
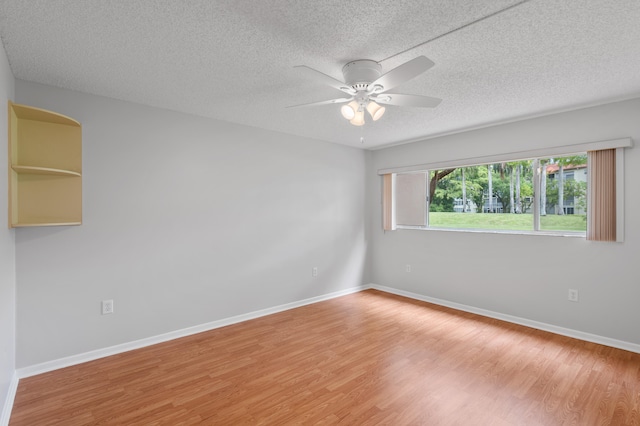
point(7, 247)
point(521, 275)
point(187, 220)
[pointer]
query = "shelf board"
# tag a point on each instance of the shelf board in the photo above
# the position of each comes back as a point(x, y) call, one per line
point(31, 113)
point(26, 225)
point(44, 171)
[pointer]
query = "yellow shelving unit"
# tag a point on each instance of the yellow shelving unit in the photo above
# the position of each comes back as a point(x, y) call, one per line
point(45, 168)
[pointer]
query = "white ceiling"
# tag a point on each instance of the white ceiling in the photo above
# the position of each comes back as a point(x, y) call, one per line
point(234, 59)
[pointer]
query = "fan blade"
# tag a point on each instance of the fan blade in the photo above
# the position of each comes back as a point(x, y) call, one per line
point(330, 101)
point(326, 79)
point(407, 100)
point(403, 73)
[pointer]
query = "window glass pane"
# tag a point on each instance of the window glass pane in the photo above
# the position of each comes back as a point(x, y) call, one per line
point(497, 196)
point(563, 189)
point(488, 196)
point(411, 199)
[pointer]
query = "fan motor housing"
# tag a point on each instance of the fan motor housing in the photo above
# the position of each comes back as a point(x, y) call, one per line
point(358, 74)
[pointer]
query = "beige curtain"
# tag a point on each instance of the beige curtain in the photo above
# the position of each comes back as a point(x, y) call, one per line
point(602, 195)
point(388, 208)
point(388, 223)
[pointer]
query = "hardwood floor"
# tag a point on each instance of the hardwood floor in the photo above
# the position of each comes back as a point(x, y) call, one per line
point(367, 358)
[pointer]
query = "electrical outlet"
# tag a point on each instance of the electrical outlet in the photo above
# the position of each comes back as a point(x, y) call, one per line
point(314, 271)
point(573, 295)
point(107, 307)
point(407, 268)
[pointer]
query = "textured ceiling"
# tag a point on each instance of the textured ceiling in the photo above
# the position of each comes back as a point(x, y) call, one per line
point(234, 59)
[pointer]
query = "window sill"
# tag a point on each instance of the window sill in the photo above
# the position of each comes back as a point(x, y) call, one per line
point(499, 231)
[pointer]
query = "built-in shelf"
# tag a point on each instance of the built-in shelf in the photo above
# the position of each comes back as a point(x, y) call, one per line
point(45, 168)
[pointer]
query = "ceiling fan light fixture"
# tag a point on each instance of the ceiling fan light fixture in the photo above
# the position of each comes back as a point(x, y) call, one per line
point(358, 120)
point(375, 110)
point(367, 88)
point(349, 110)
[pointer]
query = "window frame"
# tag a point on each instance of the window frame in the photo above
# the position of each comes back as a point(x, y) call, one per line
point(535, 154)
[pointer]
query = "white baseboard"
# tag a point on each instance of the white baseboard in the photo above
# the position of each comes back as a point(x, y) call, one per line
point(614, 343)
point(113, 350)
point(8, 402)
point(137, 344)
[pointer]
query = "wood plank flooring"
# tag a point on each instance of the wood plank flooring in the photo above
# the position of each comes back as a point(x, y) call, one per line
point(364, 359)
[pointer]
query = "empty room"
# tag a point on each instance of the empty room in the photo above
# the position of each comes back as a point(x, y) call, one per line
point(280, 212)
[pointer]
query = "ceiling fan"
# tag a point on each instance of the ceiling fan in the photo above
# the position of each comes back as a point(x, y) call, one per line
point(367, 88)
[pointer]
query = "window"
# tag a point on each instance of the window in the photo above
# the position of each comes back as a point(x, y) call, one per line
point(496, 196)
point(563, 194)
point(557, 193)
